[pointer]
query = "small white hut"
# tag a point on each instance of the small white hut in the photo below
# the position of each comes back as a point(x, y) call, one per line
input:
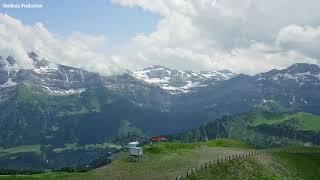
point(134, 150)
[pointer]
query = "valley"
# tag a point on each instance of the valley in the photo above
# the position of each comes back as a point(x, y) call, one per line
point(54, 116)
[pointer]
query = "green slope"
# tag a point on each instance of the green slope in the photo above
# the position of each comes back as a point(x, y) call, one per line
point(160, 161)
point(260, 129)
point(300, 121)
point(20, 149)
point(169, 160)
point(276, 166)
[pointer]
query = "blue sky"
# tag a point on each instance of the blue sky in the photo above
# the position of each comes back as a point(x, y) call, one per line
point(62, 17)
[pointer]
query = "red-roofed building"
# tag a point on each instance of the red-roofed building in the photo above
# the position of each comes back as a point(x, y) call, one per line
point(158, 139)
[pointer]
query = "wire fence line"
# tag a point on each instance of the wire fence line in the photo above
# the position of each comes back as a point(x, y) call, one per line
point(245, 155)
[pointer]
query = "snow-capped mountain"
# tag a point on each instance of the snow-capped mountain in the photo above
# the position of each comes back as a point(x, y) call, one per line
point(298, 85)
point(299, 74)
point(294, 88)
point(63, 80)
point(60, 104)
point(177, 81)
point(52, 78)
point(60, 80)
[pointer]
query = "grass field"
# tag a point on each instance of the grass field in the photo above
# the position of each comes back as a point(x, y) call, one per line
point(276, 166)
point(160, 161)
point(36, 148)
point(305, 166)
point(228, 143)
point(75, 147)
point(20, 149)
point(168, 160)
point(301, 121)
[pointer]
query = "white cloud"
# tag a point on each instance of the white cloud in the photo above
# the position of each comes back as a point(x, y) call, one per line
point(305, 39)
point(244, 36)
point(247, 36)
point(260, 58)
point(78, 50)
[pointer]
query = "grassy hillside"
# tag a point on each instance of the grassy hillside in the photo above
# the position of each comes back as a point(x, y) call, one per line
point(20, 149)
point(276, 166)
point(168, 160)
point(228, 143)
point(300, 121)
point(261, 129)
point(161, 161)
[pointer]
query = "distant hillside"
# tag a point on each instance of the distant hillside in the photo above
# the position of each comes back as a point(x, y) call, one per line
point(276, 166)
point(259, 128)
point(298, 121)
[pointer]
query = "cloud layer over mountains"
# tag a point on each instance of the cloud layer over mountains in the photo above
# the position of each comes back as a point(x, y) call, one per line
point(78, 50)
point(246, 36)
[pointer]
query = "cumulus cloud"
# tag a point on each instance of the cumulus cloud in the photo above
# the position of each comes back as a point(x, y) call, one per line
point(78, 50)
point(305, 39)
point(245, 36)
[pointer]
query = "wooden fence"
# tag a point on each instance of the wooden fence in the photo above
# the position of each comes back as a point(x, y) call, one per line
point(241, 156)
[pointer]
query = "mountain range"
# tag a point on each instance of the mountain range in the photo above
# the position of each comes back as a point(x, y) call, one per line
point(57, 104)
point(177, 81)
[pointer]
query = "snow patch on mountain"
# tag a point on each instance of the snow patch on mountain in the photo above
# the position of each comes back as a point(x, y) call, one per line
point(9, 83)
point(298, 77)
point(177, 81)
point(61, 92)
point(301, 75)
point(46, 69)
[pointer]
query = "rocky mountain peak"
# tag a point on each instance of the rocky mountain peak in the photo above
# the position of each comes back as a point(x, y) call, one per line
point(6, 62)
point(178, 81)
point(11, 60)
point(33, 55)
point(300, 75)
point(303, 68)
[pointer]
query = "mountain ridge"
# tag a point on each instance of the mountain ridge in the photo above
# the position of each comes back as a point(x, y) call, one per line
point(177, 81)
point(55, 106)
point(217, 94)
